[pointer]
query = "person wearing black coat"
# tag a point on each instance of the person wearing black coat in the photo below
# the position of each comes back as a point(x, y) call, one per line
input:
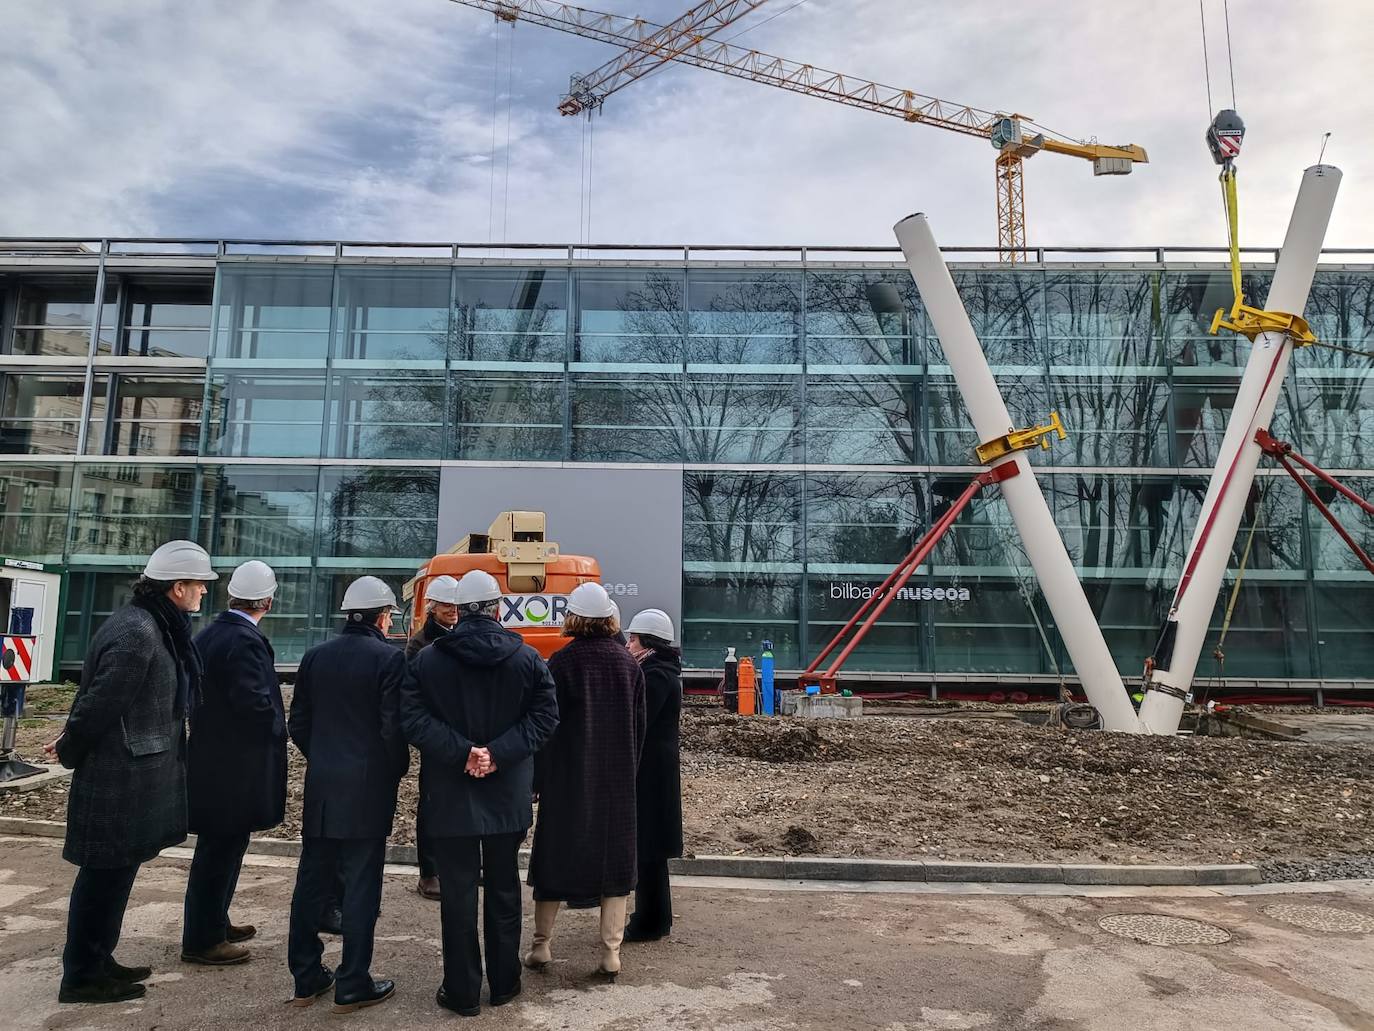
point(479, 704)
point(584, 840)
point(441, 616)
point(345, 720)
point(235, 764)
point(126, 741)
point(658, 788)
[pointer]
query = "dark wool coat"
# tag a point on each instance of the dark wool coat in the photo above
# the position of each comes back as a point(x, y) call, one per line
point(236, 756)
point(480, 686)
point(430, 631)
point(584, 841)
point(345, 719)
point(128, 747)
point(658, 789)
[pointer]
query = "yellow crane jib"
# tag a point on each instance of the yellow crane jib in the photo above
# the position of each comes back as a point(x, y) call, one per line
point(1021, 440)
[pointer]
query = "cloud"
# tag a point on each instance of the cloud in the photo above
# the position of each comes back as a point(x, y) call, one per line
point(347, 118)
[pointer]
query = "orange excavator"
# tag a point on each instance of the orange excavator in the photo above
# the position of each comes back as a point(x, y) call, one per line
point(535, 577)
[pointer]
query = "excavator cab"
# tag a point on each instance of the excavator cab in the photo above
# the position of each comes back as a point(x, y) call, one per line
point(535, 577)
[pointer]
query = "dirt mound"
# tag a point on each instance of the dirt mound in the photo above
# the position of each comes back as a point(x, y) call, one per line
point(799, 841)
point(770, 741)
point(974, 788)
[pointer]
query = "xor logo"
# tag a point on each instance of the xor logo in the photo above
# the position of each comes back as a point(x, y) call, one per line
point(533, 610)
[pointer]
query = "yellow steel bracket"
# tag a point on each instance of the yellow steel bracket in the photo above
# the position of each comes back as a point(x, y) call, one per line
point(1244, 318)
point(1021, 440)
point(1251, 322)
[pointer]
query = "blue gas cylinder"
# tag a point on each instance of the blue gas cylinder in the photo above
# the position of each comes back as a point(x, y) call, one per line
point(766, 691)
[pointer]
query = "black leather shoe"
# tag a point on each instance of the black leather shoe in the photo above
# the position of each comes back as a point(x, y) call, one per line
point(331, 922)
point(505, 997)
point(637, 934)
point(380, 992)
point(324, 980)
point(103, 989)
point(441, 997)
point(130, 974)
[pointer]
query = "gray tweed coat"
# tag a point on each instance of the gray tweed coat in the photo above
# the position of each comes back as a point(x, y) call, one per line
point(128, 795)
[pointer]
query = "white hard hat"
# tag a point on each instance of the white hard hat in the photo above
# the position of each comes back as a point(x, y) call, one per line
point(179, 560)
point(253, 581)
point(367, 593)
point(615, 611)
point(477, 587)
point(654, 622)
point(443, 589)
point(590, 600)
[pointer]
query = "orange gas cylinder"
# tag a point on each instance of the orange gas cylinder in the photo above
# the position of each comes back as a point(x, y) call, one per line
point(748, 687)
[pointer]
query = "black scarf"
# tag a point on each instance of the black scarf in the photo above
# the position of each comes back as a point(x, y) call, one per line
point(434, 630)
point(176, 635)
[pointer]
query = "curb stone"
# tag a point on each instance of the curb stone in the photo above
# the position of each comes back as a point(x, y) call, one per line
point(819, 868)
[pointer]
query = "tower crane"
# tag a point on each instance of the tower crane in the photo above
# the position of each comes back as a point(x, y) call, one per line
point(1014, 136)
point(586, 92)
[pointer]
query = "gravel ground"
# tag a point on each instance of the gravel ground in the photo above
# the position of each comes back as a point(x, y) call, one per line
point(981, 789)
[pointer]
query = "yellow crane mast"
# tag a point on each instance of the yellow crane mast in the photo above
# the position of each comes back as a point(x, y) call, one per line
point(1014, 136)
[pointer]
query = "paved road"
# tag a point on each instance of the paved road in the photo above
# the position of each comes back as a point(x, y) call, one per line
point(744, 959)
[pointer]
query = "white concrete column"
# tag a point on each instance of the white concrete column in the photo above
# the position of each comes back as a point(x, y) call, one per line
point(1045, 548)
point(1209, 552)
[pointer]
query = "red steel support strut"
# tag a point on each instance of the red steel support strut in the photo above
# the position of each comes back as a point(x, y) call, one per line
point(1286, 455)
point(874, 606)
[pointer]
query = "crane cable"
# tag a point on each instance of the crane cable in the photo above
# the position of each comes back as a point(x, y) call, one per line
point(505, 187)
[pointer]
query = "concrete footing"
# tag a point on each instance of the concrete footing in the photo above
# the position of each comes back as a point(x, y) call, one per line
point(36, 780)
point(828, 706)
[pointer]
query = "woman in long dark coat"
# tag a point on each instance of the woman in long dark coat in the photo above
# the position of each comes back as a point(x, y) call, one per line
point(584, 840)
point(658, 791)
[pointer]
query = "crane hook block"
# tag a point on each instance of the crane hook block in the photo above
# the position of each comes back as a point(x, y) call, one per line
point(1225, 136)
point(1021, 440)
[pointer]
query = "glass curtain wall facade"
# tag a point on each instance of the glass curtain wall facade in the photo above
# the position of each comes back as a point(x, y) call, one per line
point(298, 411)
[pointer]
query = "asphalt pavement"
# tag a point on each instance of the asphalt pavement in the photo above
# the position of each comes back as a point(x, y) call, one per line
point(759, 956)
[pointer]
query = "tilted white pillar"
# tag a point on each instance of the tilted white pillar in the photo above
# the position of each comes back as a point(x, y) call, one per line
point(1044, 547)
point(1224, 506)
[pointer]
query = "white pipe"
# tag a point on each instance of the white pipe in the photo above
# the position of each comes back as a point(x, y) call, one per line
point(1191, 613)
point(1063, 593)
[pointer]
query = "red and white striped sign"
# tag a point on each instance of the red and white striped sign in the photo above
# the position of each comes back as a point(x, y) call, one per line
point(1229, 142)
point(16, 657)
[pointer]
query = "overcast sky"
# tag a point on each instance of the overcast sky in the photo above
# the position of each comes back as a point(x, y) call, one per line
point(373, 119)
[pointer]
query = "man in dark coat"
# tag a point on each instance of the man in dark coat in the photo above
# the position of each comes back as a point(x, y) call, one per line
point(441, 615)
point(658, 788)
point(126, 740)
point(345, 720)
point(235, 764)
point(479, 704)
point(584, 842)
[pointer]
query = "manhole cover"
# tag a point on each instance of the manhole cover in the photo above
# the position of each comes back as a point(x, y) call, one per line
point(1322, 918)
point(1153, 929)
